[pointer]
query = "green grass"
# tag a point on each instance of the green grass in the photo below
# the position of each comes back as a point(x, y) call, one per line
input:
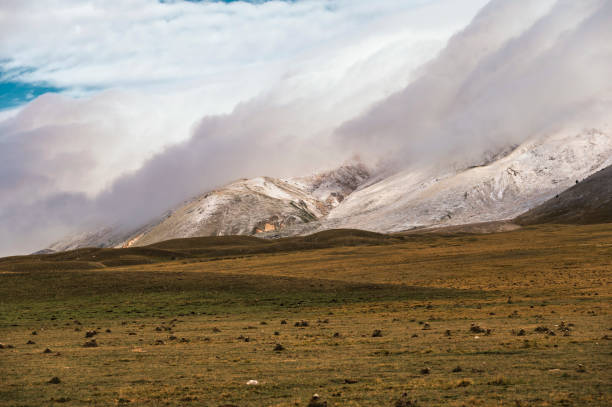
point(217, 292)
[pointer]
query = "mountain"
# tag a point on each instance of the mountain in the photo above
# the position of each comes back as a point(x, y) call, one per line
point(244, 207)
point(589, 201)
point(500, 186)
point(503, 188)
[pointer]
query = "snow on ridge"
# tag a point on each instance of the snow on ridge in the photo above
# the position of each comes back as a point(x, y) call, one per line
point(532, 173)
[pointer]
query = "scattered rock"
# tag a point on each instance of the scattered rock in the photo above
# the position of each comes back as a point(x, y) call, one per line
point(457, 369)
point(184, 340)
point(337, 334)
point(405, 401)
point(216, 330)
point(448, 332)
point(477, 329)
point(90, 334)
point(47, 351)
point(30, 342)
point(464, 383)
point(108, 331)
point(34, 333)
point(54, 380)
point(159, 342)
point(377, 333)
point(301, 324)
point(350, 381)
point(316, 401)
point(252, 383)
point(581, 368)
point(61, 400)
point(564, 328)
point(283, 322)
point(426, 327)
point(279, 348)
point(91, 344)
point(425, 370)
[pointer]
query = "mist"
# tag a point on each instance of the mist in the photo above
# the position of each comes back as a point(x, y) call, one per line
point(520, 70)
point(517, 71)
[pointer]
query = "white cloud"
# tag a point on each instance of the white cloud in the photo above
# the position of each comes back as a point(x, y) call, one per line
point(520, 70)
point(273, 74)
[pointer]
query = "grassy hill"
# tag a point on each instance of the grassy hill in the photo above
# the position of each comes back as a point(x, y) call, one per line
point(203, 248)
point(587, 202)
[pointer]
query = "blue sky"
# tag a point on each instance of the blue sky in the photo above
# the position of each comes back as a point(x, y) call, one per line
point(13, 93)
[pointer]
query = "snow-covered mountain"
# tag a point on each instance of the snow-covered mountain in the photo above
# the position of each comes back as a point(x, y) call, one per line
point(500, 186)
point(244, 207)
point(502, 189)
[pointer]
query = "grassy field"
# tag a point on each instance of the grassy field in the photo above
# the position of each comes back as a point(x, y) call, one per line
point(521, 318)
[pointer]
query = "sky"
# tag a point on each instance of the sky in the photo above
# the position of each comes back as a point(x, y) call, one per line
point(112, 112)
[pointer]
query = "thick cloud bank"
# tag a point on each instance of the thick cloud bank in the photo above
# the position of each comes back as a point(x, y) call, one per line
point(519, 69)
point(194, 95)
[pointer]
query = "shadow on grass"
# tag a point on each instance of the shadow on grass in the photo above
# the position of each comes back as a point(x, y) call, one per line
point(121, 294)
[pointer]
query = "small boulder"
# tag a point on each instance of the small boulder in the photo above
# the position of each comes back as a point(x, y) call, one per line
point(405, 401)
point(91, 344)
point(316, 401)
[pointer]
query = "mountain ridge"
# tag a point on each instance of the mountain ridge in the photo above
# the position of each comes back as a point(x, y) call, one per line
point(499, 187)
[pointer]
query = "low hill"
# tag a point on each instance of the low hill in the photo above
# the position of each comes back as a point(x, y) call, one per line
point(587, 202)
point(196, 248)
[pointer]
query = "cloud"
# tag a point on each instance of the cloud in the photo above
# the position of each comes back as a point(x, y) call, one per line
point(520, 70)
point(344, 83)
point(163, 101)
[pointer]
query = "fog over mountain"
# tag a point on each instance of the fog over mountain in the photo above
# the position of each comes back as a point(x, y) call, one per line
point(386, 88)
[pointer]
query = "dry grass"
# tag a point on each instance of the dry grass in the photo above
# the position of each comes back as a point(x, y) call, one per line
point(194, 331)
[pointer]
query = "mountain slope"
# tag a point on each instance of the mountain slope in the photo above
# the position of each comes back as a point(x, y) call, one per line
point(244, 207)
point(589, 201)
point(501, 186)
point(432, 196)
